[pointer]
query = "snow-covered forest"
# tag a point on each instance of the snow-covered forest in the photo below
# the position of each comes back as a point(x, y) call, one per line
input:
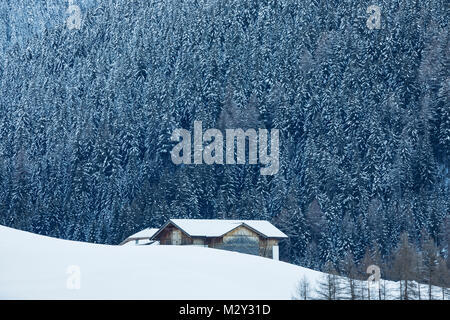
point(364, 117)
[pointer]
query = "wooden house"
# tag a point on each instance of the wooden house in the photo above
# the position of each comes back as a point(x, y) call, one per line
point(256, 237)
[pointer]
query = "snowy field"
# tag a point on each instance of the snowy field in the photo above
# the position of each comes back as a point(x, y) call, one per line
point(38, 267)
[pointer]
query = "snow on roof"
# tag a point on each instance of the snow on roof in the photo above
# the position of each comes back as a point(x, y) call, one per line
point(217, 228)
point(146, 233)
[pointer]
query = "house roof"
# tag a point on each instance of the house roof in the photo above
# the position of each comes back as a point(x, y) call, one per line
point(217, 228)
point(146, 233)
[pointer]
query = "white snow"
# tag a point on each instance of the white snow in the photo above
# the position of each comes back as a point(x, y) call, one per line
point(146, 233)
point(35, 267)
point(139, 242)
point(39, 267)
point(217, 228)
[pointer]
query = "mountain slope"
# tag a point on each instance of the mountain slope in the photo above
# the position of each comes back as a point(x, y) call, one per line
point(35, 267)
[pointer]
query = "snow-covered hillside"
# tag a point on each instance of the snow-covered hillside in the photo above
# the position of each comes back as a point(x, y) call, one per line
point(38, 267)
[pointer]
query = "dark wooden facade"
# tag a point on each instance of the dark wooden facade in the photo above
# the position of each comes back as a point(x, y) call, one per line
point(241, 239)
